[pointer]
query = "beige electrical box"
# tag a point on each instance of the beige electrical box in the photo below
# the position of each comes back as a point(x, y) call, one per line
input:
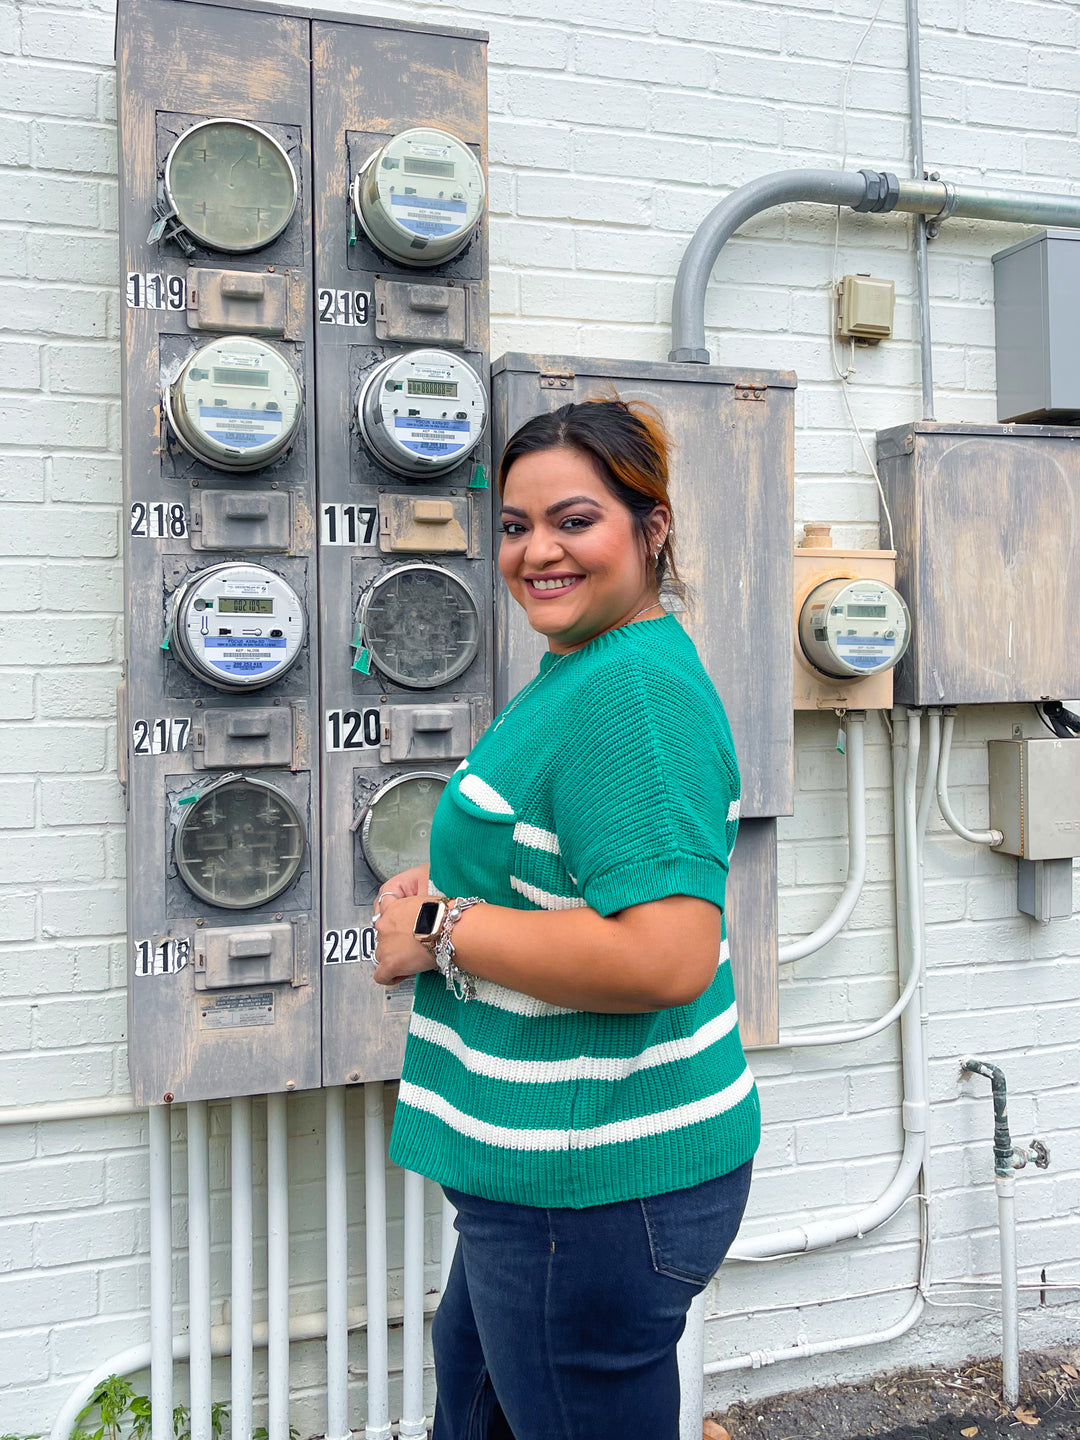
point(865, 310)
point(815, 564)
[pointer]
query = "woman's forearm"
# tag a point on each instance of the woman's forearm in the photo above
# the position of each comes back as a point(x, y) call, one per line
point(648, 957)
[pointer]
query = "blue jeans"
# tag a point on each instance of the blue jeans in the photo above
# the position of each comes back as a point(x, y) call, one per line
point(562, 1324)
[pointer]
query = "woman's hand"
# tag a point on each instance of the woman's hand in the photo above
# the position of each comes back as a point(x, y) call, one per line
point(398, 953)
point(406, 883)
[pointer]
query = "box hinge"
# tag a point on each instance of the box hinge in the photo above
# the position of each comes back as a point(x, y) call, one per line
point(556, 379)
point(744, 390)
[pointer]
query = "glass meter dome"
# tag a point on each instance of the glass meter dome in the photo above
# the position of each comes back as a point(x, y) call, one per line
point(232, 185)
point(239, 844)
point(421, 625)
point(396, 827)
point(236, 404)
point(420, 197)
point(422, 412)
point(237, 626)
point(849, 628)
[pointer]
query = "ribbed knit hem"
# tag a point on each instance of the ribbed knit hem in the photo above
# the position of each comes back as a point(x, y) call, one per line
point(673, 1160)
point(635, 884)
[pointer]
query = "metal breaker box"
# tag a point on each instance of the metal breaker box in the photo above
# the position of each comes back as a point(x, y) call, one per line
point(1035, 797)
point(1036, 319)
point(987, 528)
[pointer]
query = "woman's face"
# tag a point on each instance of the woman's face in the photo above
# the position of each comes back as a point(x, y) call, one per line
point(571, 553)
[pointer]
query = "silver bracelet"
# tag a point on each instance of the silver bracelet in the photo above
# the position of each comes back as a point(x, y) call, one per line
point(459, 981)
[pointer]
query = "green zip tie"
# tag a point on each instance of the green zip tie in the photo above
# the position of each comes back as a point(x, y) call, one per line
point(479, 479)
point(168, 637)
point(363, 661)
point(357, 637)
point(188, 799)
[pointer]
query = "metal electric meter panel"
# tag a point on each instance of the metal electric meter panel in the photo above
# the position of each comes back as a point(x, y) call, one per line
point(236, 404)
point(420, 196)
point(851, 628)
point(987, 526)
point(219, 706)
point(732, 486)
point(404, 515)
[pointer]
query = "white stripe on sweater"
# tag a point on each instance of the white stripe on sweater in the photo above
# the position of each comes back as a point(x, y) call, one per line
point(536, 838)
point(617, 1132)
point(576, 1067)
point(733, 811)
point(544, 898)
point(483, 796)
point(502, 998)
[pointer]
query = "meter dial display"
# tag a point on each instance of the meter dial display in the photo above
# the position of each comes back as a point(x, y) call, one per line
point(854, 627)
point(236, 404)
point(420, 625)
point(420, 197)
point(237, 626)
point(422, 412)
point(231, 185)
point(396, 827)
point(239, 844)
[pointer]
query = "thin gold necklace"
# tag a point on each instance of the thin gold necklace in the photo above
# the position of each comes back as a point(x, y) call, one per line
point(532, 685)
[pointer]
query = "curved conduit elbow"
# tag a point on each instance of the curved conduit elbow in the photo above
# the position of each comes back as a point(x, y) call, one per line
point(863, 190)
point(849, 896)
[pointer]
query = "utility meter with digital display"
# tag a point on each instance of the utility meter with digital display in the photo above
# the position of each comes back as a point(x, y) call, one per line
point(422, 412)
point(231, 185)
point(396, 825)
point(237, 626)
point(854, 627)
point(420, 197)
point(236, 404)
point(420, 625)
point(239, 843)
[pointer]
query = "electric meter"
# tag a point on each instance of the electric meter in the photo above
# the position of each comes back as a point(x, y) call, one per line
point(235, 404)
point(396, 827)
point(854, 627)
point(420, 625)
point(422, 412)
point(237, 626)
point(239, 843)
point(231, 185)
point(420, 197)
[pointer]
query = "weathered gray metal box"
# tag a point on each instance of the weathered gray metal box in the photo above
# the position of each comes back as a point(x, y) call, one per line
point(1035, 797)
point(1036, 318)
point(731, 486)
point(987, 526)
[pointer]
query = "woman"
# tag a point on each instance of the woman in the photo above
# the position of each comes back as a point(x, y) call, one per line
point(574, 1076)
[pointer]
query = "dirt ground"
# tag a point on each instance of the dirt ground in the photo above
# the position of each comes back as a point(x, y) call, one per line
point(933, 1404)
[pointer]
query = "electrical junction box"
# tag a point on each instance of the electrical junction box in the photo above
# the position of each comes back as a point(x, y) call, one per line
point(815, 565)
point(987, 531)
point(1035, 797)
point(865, 308)
point(1036, 318)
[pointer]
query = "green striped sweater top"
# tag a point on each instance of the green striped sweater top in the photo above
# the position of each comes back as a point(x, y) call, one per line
point(609, 781)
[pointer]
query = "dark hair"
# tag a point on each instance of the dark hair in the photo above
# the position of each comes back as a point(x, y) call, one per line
point(628, 445)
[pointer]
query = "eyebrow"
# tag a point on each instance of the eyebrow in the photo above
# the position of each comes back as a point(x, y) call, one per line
point(559, 505)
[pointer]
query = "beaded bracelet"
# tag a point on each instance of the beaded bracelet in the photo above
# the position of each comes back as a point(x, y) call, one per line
point(459, 981)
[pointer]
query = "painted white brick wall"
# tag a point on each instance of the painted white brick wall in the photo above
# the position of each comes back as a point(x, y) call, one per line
point(613, 131)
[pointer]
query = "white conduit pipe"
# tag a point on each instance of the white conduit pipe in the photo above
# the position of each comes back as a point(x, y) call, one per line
point(905, 768)
point(277, 1266)
point(241, 1247)
point(1010, 1318)
point(128, 1362)
point(819, 1233)
point(337, 1270)
point(378, 1380)
point(856, 807)
point(692, 1369)
point(198, 1171)
point(101, 1108)
point(161, 1372)
point(933, 755)
point(977, 837)
point(413, 1425)
point(447, 1243)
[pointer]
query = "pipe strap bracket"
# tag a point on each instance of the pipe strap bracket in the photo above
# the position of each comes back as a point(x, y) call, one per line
point(882, 191)
point(948, 207)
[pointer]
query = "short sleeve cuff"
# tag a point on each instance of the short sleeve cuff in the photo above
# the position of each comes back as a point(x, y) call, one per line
point(636, 883)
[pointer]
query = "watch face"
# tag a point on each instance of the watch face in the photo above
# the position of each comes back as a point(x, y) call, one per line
point(426, 917)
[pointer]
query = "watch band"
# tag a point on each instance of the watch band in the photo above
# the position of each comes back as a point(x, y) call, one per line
point(459, 981)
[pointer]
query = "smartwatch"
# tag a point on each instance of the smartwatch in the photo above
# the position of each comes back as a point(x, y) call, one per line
point(429, 920)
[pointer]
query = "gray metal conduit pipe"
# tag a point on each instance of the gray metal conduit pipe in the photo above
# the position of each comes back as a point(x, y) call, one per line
point(863, 190)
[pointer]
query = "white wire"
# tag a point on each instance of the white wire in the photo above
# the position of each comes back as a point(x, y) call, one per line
point(844, 375)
